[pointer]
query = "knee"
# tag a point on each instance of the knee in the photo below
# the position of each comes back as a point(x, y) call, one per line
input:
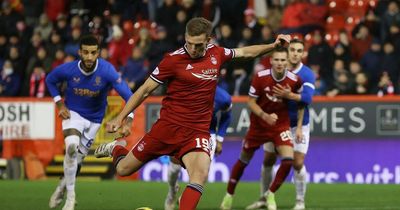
point(269, 162)
point(72, 150)
point(199, 176)
point(298, 164)
point(122, 170)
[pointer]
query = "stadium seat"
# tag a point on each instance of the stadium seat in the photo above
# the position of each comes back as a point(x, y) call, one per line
point(335, 22)
point(351, 22)
point(332, 37)
point(337, 6)
point(357, 8)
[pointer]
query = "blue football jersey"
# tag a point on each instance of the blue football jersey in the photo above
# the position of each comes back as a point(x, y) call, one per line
point(306, 91)
point(222, 104)
point(86, 93)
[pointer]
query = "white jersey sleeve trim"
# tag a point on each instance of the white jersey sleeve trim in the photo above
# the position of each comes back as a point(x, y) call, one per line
point(157, 80)
point(252, 95)
point(57, 99)
point(309, 85)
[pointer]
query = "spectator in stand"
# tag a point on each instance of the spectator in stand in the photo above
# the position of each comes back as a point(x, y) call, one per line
point(361, 41)
point(225, 36)
point(267, 35)
point(32, 10)
point(144, 40)
point(361, 81)
point(343, 85)
point(385, 85)
point(190, 7)
point(9, 81)
point(159, 47)
point(3, 45)
point(18, 62)
point(274, 15)
point(135, 71)
point(372, 60)
point(390, 18)
point(104, 53)
point(40, 56)
point(178, 29)
point(61, 27)
point(119, 48)
point(211, 11)
point(54, 44)
point(355, 68)
point(37, 87)
point(45, 27)
point(72, 46)
point(251, 23)
point(371, 20)
point(394, 36)
point(58, 59)
point(344, 51)
point(321, 54)
point(9, 18)
point(390, 62)
point(166, 14)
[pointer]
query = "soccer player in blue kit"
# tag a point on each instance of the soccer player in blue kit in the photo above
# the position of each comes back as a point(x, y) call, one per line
point(88, 82)
point(223, 106)
point(296, 51)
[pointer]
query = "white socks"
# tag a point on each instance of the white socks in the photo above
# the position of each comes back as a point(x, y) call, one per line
point(173, 174)
point(266, 179)
point(300, 183)
point(71, 161)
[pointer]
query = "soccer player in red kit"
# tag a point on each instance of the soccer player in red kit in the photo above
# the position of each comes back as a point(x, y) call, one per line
point(269, 121)
point(182, 131)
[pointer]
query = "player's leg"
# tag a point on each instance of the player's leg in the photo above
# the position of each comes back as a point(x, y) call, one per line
point(72, 138)
point(286, 152)
point(174, 170)
point(300, 172)
point(197, 164)
point(236, 173)
point(266, 175)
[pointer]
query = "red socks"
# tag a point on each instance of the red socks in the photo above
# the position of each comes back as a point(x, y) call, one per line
point(118, 153)
point(283, 172)
point(190, 197)
point(237, 172)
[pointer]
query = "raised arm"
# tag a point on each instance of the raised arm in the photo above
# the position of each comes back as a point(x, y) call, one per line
point(258, 50)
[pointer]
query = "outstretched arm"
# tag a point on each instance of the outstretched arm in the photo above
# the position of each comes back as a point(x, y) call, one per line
point(134, 101)
point(257, 50)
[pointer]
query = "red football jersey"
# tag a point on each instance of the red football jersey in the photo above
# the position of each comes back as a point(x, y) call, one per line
point(261, 88)
point(191, 85)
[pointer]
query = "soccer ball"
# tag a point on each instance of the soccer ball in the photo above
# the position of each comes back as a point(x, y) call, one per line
point(144, 208)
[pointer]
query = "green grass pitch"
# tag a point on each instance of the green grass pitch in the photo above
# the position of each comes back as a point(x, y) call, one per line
point(120, 195)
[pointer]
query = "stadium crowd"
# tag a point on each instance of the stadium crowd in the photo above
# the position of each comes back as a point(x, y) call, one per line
point(353, 46)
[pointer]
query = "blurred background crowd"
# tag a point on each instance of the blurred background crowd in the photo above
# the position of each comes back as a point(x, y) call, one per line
point(351, 45)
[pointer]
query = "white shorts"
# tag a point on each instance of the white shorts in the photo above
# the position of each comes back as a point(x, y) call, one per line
point(87, 129)
point(297, 147)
